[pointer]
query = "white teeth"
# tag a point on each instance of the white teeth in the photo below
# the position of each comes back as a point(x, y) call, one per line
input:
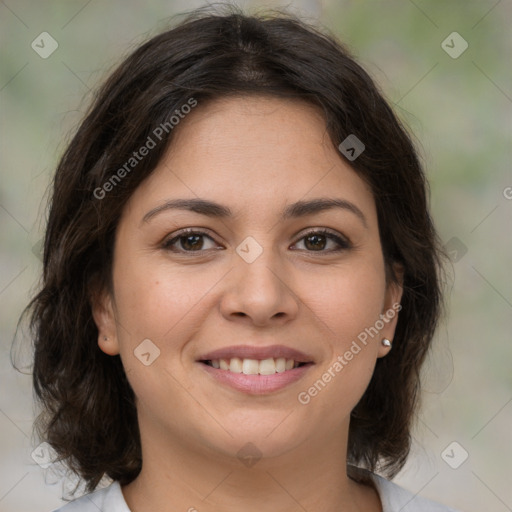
point(235, 365)
point(280, 364)
point(254, 366)
point(250, 366)
point(267, 367)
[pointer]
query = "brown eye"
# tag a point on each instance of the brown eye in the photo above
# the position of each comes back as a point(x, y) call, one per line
point(189, 241)
point(315, 242)
point(323, 241)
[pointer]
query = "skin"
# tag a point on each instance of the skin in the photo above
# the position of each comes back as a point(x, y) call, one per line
point(255, 155)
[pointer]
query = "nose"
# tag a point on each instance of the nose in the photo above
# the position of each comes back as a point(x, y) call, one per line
point(259, 292)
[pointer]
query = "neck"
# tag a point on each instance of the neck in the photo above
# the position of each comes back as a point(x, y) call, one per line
point(312, 476)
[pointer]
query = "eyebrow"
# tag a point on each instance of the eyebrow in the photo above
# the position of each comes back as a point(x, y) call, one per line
point(294, 210)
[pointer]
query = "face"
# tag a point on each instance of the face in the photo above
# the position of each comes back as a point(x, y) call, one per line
point(251, 244)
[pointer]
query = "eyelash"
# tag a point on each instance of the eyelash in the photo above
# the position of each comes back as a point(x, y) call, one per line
point(343, 243)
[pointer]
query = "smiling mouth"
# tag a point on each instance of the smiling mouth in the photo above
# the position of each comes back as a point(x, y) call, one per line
point(246, 366)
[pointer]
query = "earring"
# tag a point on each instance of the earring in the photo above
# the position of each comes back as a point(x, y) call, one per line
point(385, 342)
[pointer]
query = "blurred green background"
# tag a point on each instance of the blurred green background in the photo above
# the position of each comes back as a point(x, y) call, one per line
point(459, 108)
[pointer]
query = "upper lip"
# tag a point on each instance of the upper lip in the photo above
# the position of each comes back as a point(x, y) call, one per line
point(257, 352)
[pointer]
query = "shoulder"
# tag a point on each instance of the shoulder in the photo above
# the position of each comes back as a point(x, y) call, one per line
point(394, 497)
point(109, 499)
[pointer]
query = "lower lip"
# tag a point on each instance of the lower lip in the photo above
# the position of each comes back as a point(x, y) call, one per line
point(257, 384)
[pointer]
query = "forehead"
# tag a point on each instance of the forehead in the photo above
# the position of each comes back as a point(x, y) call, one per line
point(253, 151)
point(255, 130)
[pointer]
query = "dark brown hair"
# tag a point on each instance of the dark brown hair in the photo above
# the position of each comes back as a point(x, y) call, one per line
point(88, 407)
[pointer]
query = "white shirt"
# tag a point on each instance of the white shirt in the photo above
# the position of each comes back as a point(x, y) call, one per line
point(393, 497)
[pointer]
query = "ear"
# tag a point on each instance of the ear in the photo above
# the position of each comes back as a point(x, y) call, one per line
point(104, 318)
point(391, 307)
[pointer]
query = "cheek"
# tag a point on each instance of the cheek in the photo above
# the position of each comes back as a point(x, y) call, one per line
point(346, 300)
point(346, 305)
point(151, 302)
point(165, 308)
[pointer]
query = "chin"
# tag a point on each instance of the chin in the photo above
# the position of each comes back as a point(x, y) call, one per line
point(261, 438)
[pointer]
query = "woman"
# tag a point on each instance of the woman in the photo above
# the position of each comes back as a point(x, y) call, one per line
point(241, 280)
